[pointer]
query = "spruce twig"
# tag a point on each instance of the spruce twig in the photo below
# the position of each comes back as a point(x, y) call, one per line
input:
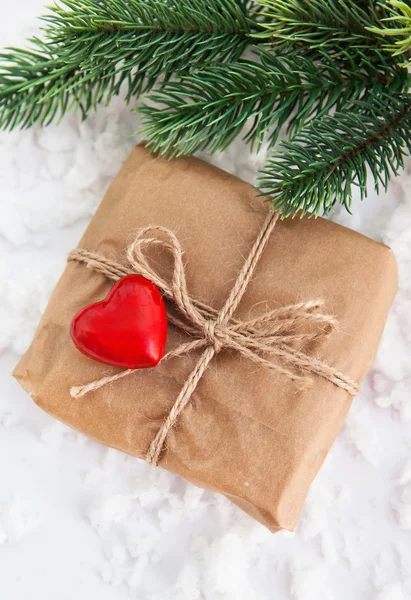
point(321, 68)
point(207, 109)
point(37, 87)
point(332, 25)
point(92, 47)
point(319, 166)
point(399, 28)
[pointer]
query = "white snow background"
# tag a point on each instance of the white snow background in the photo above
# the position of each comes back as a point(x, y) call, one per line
point(79, 521)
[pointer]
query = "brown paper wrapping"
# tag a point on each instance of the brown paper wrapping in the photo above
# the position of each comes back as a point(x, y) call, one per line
point(247, 432)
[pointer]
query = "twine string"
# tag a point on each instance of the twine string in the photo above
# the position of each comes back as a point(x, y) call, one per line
point(268, 340)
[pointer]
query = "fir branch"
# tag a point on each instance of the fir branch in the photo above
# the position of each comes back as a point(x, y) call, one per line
point(159, 37)
point(318, 167)
point(92, 47)
point(400, 28)
point(330, 25)
point(38, 87)
point(206, 110)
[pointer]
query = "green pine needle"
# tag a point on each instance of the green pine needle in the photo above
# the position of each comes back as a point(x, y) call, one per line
point(324, 71)
point(207, 109)
point(92, 47)
point(159, 37)
point(399, 20)
point(332, 25)
point(36, 86)
point(319, 166)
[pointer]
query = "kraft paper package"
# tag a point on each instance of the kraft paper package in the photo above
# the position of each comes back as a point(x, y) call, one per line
point(247, 432)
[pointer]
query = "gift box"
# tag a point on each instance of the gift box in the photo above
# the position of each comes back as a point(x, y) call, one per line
point(261, 416)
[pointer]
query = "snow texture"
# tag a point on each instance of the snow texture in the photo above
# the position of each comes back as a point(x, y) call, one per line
point(79, 520)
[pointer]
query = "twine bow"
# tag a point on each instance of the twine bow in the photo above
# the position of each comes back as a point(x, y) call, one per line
point(267, 339)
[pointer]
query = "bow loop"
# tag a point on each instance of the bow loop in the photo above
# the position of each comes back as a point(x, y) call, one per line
point(136, 255)
point(176, 289)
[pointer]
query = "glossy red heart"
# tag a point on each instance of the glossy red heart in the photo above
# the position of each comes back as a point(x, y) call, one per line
point(128, 329)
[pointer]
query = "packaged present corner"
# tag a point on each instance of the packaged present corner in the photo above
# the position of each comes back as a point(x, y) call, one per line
point(247, 431)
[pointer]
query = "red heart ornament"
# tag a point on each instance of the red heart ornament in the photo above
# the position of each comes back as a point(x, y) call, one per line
point(127, 329)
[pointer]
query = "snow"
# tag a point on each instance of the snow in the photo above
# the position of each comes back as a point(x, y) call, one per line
point(309, 583)
point(17, 521)
point(107, 511)
point(78, 520)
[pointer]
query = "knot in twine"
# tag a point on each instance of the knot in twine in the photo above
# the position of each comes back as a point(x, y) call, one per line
point(209, 330)
point(266, 340)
